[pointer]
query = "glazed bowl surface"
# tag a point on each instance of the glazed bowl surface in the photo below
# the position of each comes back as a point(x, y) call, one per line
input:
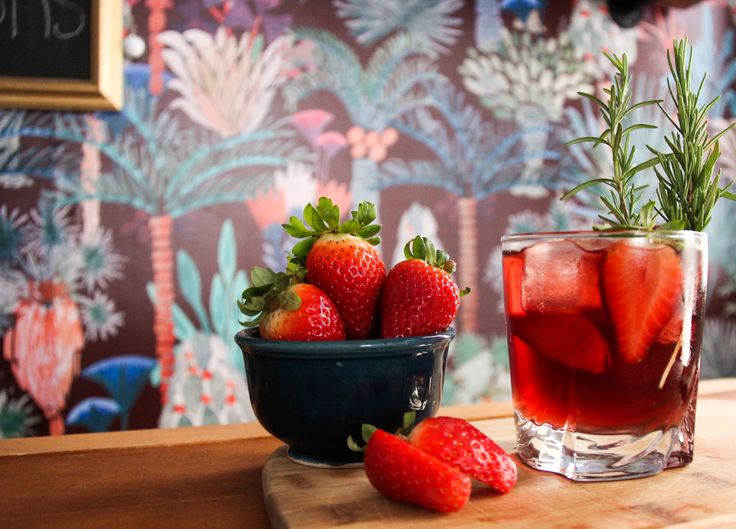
point(313, 395)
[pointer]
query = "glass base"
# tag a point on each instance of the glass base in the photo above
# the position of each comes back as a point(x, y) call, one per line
point(582, 456)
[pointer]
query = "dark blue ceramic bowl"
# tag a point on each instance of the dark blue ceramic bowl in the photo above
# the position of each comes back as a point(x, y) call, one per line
point(313, 395)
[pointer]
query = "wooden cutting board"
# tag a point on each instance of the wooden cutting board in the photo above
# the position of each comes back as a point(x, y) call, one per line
point(700, 496)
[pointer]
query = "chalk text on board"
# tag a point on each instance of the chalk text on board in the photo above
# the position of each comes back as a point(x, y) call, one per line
point(75, 19)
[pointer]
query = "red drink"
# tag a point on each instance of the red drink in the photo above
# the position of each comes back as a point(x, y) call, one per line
point(604, 331)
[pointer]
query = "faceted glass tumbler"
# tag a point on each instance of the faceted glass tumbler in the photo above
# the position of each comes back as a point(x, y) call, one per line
point(604, 334)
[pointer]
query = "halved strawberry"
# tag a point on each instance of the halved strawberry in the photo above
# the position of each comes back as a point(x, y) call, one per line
point(463, 446)
point(642, 286)
point(570, 339)
point(406, 474)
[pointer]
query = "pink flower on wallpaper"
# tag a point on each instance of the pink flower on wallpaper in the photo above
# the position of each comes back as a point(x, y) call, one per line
point(43, 348)
point(267, 208)
point(330, 142)
point(311, 123)
point(338, 192)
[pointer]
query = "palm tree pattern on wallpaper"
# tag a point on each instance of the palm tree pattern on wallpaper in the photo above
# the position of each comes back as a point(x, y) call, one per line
point(124, 237)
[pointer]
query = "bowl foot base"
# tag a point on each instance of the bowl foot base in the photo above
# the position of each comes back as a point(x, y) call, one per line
point(324, 460)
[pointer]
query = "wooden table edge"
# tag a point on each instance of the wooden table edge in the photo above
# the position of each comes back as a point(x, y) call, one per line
point(136, 439)
point(151, 438)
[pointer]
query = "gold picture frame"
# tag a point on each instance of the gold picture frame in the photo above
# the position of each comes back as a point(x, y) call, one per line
point(104, 89)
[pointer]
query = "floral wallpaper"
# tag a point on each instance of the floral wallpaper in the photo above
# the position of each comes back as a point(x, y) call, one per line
point(125, 237)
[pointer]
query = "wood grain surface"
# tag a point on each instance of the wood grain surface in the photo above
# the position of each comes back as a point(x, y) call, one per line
point(212, 477)
point(702, 495)
point(168, 478)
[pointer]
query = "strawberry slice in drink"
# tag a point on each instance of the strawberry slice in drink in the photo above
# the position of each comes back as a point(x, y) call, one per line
point(513, 272)
point(560, 277)
point(642, 287)
point(572, 340)
point(672, 331)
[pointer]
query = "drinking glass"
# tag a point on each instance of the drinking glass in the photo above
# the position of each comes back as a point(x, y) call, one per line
point(604, 335)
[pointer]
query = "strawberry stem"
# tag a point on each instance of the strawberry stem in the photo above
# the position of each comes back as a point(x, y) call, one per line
point(367, 431)
point(423, 248)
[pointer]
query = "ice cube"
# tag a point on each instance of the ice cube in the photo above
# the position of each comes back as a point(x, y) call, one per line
point(559, 278)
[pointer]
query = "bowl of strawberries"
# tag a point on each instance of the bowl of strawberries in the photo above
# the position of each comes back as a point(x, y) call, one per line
point(334, 341)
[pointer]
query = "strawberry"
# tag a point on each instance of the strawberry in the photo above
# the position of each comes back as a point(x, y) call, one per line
point(340, 259)
point(419, 295)
point(288, 310)
point(403, 473)
point(642, 286)
point(464, 447)
point(570, 339)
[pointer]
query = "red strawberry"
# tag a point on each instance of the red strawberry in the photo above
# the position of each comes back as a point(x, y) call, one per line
point(405, 474)
point(419, 296)
point(570, 339)
point(287, 310)
point(642, 286)
point(463, 446)
point(340, 258)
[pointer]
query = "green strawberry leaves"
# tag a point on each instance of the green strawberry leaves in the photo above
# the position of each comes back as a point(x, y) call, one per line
point(262, 276)
point(367, 430)
point(296, 228)
point(423, 248)
point(325, 218)
point(269, 291)
point(328, 212)
point(301, 249)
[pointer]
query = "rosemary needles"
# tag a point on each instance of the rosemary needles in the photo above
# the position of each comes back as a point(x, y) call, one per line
point(687, 188)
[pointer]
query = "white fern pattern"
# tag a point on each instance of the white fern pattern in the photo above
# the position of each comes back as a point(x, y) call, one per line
point(225, 84)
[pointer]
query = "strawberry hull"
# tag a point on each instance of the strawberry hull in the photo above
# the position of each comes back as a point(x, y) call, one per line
point(607, 347)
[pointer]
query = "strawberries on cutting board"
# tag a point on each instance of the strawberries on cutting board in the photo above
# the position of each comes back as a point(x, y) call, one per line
point(419, 296)
point(405, 474)
point(341, 259)
point(464, 447)
point(433, 466)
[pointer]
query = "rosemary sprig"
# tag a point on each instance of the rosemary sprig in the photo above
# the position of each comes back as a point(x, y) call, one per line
point(688, 190)
point(624, 194)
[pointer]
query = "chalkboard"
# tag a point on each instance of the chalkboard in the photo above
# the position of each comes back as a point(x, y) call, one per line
point(45, 38)
point(64, 54)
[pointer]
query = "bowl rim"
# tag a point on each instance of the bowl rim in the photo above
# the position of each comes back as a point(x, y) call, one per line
point(252, 344)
